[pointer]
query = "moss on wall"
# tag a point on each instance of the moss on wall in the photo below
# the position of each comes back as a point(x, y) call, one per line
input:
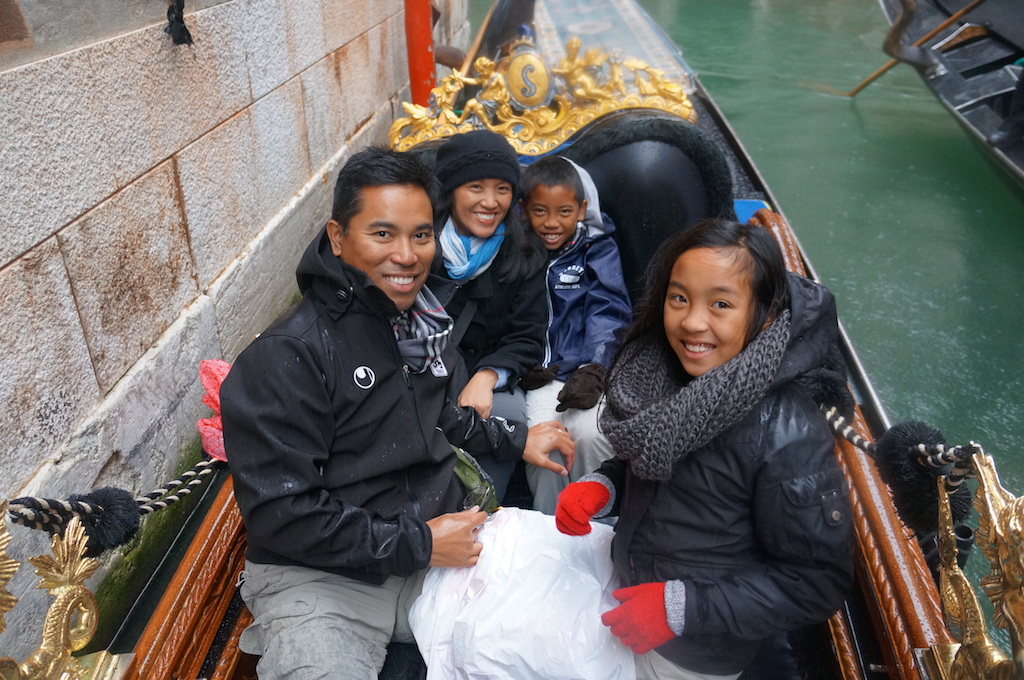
point(140, 559)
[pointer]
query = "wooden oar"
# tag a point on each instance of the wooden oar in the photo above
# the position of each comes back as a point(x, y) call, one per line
point(475, 47)
point(920, 41)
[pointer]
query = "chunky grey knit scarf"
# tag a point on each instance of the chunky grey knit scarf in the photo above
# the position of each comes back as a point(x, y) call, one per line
point(652, 421)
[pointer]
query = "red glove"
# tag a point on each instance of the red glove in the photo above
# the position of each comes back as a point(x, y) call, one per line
point(577, 503)
point(640, 621)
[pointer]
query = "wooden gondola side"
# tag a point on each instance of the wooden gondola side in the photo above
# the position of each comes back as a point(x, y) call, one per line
point(183, 628)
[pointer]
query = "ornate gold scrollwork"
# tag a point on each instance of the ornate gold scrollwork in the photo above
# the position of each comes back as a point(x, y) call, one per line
point(1000, 537)
point(71, 619)
point(537, 106)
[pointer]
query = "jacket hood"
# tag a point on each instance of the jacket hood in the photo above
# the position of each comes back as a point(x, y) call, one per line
point(813, 331)
point(592, 219)
point(319, 262)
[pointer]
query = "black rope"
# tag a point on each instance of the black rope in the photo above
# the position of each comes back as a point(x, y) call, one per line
point(176, 27)
point(909, 457)
point(111, 516)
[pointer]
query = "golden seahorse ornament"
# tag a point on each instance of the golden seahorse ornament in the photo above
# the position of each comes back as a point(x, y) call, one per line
point(999, 537)
point(70, 621)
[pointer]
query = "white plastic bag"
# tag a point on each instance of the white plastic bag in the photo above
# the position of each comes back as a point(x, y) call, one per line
point(530, 608)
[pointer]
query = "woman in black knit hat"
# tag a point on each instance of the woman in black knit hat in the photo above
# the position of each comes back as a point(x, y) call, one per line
point(489, 275)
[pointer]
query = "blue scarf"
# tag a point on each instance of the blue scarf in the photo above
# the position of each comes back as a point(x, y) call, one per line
point(466, 257)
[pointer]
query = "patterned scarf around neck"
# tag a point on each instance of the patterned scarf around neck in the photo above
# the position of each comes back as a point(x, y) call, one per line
point(466, 257)
point(653, 422)
point(422, 331)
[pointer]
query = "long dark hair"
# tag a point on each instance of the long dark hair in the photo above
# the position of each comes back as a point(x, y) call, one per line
point(768, 275)
point(522, 252)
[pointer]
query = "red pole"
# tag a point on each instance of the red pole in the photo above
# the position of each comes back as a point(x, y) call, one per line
point(419, 41)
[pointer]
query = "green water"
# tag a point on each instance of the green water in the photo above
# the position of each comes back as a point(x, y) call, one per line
point(901, 215)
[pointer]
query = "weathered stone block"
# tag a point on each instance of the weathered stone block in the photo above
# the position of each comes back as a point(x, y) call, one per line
point(355, 74)
point(390, 59)
point(221, 191)
point(131, 270)
point(305, 32)
point(261, 284)
point(325, 111)
point(48, 385)
point(281, 152)
point(135, 438)
point(157, 97)
point(54, 158)
point(343, 21)
point(262, 26)
point(381, 10)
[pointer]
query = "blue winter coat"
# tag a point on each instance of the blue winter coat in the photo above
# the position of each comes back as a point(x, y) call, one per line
point(588, 304)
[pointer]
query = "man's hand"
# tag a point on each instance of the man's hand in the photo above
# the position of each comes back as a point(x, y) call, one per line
point(454, 538)
point(542, 439)
point(479, 392)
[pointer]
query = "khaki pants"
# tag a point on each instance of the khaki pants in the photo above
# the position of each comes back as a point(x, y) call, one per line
point(592, 447)
point(310, 624)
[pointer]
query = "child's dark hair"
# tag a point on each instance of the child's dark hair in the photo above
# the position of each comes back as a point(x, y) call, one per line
point(553, 171)
point(763, 255)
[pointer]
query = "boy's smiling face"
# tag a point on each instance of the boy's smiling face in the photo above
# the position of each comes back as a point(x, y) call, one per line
point(553, 212)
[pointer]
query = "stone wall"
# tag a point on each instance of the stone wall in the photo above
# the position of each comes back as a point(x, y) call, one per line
point(156, 200)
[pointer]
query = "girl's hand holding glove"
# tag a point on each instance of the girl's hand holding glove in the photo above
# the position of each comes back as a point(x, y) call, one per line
point(577, 503)
point(641, 622)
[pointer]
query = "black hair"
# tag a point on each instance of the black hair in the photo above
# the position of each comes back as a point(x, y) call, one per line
point(373, 167)
point(553, 171)
point(525, 251)
point(760, 250)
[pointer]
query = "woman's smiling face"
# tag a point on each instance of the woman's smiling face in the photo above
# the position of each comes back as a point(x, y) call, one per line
point(479, 206)
point(709, 306)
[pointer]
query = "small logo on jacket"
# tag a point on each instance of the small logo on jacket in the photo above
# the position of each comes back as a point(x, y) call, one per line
point(570, 277)
point(364, 377)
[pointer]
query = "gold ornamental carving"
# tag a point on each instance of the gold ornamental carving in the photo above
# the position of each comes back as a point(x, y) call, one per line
point(71, 619)
point(1000, 536)
point(535, 105)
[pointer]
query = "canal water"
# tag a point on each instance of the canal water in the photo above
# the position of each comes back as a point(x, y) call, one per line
point(902, 217)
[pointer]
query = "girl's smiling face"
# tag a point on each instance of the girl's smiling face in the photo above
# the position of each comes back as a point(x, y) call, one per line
point(479, 206)
point(709, 306)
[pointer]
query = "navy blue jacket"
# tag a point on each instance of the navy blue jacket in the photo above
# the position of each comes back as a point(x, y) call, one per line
point(587, 300)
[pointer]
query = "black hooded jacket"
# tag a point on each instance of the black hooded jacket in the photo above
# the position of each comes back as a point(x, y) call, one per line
point(339, 454)
point(756, 523)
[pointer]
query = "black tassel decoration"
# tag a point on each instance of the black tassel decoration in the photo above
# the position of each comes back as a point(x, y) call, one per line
point(114, 521)
point(913, 484)
point(176, 23)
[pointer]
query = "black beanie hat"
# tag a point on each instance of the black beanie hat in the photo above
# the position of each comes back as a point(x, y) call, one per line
point(480, 154)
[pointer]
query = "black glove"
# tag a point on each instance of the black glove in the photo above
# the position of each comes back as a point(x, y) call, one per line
point(583, 388)
point(538, 376)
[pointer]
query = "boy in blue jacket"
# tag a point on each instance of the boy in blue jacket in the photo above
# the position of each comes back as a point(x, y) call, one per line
point(587, 306)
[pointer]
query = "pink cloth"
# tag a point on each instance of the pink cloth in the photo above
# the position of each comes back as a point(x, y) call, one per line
point(212, 373)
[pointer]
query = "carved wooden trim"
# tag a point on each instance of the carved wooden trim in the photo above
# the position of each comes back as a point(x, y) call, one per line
point(182, 629)
point(893, 572)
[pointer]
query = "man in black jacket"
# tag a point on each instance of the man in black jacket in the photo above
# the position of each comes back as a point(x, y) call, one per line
point(337, 423)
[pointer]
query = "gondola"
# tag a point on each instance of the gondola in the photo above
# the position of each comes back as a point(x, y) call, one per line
point(969, 54)
point(598, 82)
